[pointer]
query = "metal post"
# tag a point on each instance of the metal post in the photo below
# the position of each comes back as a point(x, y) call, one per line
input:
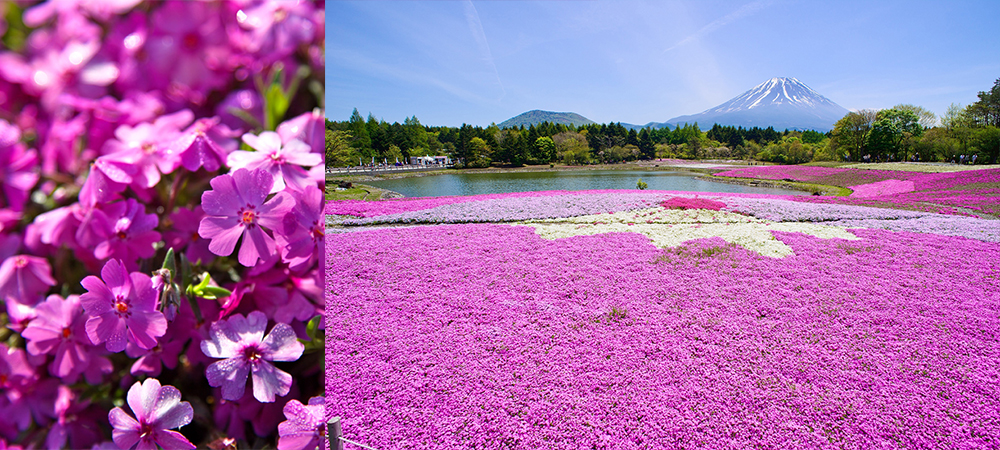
point(333, 433)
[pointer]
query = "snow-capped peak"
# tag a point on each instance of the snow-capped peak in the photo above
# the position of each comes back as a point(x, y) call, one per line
point(775, 91)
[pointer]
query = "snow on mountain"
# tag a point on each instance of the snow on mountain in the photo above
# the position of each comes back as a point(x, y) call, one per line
point(778, 102)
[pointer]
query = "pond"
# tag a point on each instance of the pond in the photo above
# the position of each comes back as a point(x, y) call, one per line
point(577, 180)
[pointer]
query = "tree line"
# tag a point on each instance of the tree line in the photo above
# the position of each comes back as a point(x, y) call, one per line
point(902, 133)
point(908, 133)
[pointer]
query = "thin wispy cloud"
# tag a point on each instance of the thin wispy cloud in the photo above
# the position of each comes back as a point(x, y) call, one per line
point(374, 68)
point(745, 10)
point(476, 27)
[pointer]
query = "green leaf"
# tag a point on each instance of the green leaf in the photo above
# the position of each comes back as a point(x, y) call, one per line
point(170, 263)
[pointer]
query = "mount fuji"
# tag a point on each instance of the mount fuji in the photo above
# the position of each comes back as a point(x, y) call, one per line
point(779, 102)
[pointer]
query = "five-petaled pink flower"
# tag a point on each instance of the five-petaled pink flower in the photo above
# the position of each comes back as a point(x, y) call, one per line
point(282, 161)
point(235, 207)
point(241, 341)
point(157, 410)
point(122, 307)
point(305, 427)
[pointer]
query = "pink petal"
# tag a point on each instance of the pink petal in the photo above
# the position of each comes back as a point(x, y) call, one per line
point(115, 276)
point(107, 328)
point(126, 429)
point(224, 199)
point(142, 397)
point(231, 375)
point(172, 440)
point(269, 381)
point(256, 245)
point(253, 185)
point(145, 326)
point(223, 233)
point(171, 411)
point(281, 344)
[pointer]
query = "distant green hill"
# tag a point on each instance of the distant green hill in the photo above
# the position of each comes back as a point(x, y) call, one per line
point(537, 116)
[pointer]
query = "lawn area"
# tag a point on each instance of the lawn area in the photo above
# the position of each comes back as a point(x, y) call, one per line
point(654, 319)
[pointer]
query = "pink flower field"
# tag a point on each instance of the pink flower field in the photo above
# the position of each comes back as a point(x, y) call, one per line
point(976, 190)
point(770, 324)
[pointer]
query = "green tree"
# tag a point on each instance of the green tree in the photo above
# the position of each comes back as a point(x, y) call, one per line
point(850, 134)
point(926, 118)
point(479, 153)
point(987, 140)
point(544, 150)
point(891, 130)
point(359, 129)
point(646, 145)
point(338, 149)
point(572, 148)
point(986, 111)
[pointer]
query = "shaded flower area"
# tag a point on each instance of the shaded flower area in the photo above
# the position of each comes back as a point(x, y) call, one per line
point(494, 335)
point(161, 179)
point(977, 190)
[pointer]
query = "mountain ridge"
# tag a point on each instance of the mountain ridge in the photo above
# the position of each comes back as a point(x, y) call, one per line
point(770, 104)
point(780, 102)
point(537, 116)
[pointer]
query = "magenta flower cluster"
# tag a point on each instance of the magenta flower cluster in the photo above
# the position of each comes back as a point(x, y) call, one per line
point(483, 335)
point(948, 193)
point(160, 223)
point(513, 208)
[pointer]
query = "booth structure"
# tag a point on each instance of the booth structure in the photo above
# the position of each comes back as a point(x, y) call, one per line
point(430, 160)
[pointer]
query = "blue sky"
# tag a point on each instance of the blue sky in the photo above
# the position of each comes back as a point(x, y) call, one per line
point(453, 62)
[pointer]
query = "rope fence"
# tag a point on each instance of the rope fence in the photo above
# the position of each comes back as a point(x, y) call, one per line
point(336, 436)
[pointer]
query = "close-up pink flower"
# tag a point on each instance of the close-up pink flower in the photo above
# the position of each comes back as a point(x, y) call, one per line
point(60, 330)
point(122, 307)
point(283, 160)
point(23, 278)
point(306, 425)
point(121, 217)
point(244, 349)
point(158, 410)
point(236, 208)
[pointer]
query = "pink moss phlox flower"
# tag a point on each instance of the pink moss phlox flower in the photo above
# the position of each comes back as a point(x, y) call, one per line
point(120, 230)
point(100, 10)
point(187, 50)
point(308, 127)
point(232, 415)
point(692, 203)
point(167, 351)
point(74, 423)
point(60, 329)
point(302, 231)
point(58, 142)
point(24, 278)
point(58, 227)
point(141, 153)
point(122, 307)
point(305, 427)
point(206, 143)
point(17, 168)
point(99, 188)
point(880, 188)
point(278, 28)
point(285, 295)
point(235, 208)
point(283, 161)
point(19, 315)
point(14, 368)
point(158, 409)
point(241, 341)
point(182, 234)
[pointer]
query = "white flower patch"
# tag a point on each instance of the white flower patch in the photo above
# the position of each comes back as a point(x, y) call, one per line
point(671, 228)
